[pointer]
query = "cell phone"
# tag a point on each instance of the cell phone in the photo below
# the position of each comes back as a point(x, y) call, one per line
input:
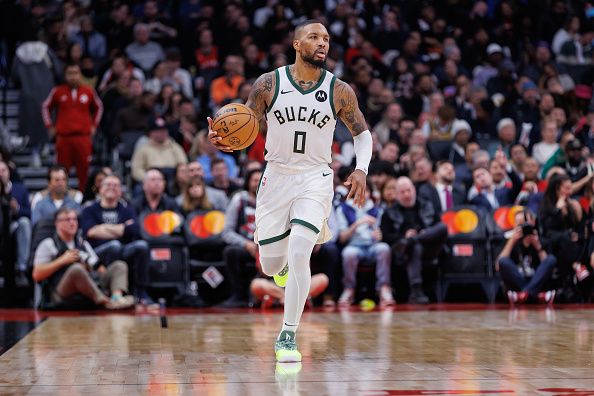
point(527, 229)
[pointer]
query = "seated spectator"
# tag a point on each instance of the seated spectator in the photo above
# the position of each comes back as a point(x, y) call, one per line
point(360, 233)
point(462, 133)
point(220, 177)
point(110, 225)
point(238, 233)
point(415, 232)
point(20, 224)
point(91, 193)
point(561, 223)
point(379, 172)
point(179, 75)
point(154, 197)
point(223, 89)
point(388, 193)
point(209, 153)
point(486, 194)
point(194, 197)
point(524, 265)
point(444, 194)
point(92, 42)
point(46, 202)
point(544, 150)
point(387, 129)
point(268, 294)
point(216, 197)
point(142, 51)
point(440, 128)
point(506, 133)
point(179, 183)
point(119, 66)
point(135, 116)
point(421, 172)
point(63, 264)
point(517, 155)
point(464, 171)
point(159, 152)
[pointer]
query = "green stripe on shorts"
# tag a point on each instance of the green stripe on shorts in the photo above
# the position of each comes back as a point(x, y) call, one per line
point(305, 224)
point(275, 239)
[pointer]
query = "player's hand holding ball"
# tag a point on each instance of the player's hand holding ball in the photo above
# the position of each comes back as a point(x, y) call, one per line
point(234, 127)
point(357, 181)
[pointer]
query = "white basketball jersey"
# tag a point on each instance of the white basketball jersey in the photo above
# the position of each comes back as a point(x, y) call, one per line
point(300, 122)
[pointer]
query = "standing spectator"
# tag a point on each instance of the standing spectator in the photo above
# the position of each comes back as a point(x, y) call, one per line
point(111, 227)
point(79, 111)
point(414, 231)
point(92, 42)
point(154, 197)
point(63, 264)
point(20, 223)
point(238, 233)
point(220, 177)
point(359, 231)
point(35, 70)
point(57, 195)
point(524, 265)
point(142, 51)
point(225, 88)
point(159, 152)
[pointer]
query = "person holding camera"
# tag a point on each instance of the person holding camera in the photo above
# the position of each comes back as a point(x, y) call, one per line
point(524, 266)
point(65, 264)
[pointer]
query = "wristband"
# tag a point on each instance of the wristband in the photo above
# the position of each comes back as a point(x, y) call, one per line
point(363, 149)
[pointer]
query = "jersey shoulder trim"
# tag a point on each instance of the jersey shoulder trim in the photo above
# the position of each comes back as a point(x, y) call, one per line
point(276, 89)
point(301, 90)
point(332, 96)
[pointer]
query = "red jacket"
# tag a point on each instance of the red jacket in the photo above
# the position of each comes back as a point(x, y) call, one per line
point(74, 109)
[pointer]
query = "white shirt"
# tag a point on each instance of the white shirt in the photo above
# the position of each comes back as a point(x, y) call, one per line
point(442, 195)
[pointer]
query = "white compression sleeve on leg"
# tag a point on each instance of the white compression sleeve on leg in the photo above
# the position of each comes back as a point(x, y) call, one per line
point(363, 150)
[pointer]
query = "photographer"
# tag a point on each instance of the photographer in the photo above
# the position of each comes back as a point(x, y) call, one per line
point(63, 264)
point(524, 265)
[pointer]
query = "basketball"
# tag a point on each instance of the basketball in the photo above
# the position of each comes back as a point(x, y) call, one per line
point(237, 125)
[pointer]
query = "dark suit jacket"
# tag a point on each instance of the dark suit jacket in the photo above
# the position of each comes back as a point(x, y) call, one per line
point(429, 193)
point(505, 196)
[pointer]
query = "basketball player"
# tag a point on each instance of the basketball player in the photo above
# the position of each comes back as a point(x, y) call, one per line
point(301, 103)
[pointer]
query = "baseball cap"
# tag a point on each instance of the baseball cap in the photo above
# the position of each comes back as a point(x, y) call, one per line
point(528, 85)
point(494, 48)
point(156, 123)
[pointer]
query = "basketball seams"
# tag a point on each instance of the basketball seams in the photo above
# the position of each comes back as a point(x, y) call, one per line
point(241, 110)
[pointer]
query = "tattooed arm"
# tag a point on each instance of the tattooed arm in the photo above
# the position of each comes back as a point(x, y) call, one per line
point(347, 108)
point(258, 100)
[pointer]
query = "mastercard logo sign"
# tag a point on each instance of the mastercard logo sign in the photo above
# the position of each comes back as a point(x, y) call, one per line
point(505, 217)
point(159, 224)
point(463, 221)
point(208, 224)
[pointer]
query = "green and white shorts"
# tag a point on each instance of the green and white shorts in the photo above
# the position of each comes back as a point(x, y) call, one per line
point(290, 196)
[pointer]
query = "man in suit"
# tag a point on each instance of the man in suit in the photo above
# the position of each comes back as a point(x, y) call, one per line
point(445, 193)
point(487, 194)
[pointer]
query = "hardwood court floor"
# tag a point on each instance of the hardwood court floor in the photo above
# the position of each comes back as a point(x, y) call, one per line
point(405, 352)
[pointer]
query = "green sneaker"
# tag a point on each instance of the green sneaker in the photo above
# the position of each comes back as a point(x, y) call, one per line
point(281, 278)
point(285, 348)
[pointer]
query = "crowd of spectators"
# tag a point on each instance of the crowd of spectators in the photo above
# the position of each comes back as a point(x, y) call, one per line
point(484, 103)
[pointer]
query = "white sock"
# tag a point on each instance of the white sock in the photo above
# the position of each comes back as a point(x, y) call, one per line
point(301, 244)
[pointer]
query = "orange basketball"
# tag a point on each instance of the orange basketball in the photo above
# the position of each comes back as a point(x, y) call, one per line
point(237, 125)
